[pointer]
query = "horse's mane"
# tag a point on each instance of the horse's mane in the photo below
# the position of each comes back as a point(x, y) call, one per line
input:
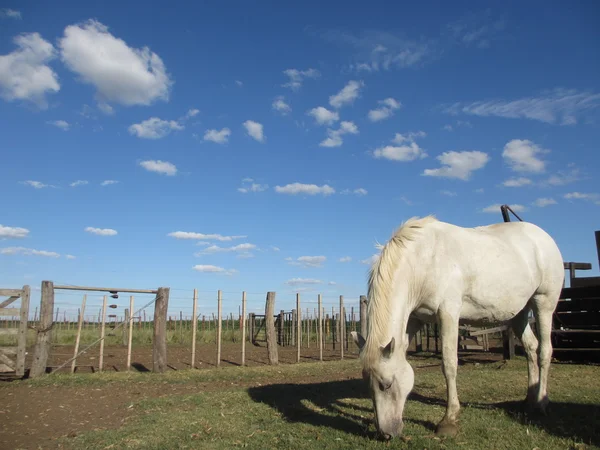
point(380, 286)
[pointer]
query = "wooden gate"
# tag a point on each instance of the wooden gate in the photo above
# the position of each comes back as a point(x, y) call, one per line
point(12, 357)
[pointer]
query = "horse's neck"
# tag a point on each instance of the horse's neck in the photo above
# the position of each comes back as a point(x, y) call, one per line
point(399, 320)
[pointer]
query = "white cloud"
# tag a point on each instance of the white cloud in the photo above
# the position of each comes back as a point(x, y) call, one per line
point(119, 73)
point(239, 83)
point(377, 50)
point(154, 128)
point(10, 13)
point(542, 202)
point(323, 115)
point(250, 186)
point(308, 189)
point(564, 177)
point(359, 191)
point(255, 130)
point(275, 249)
point(562, 106)
point(593, 197)
point(163, 167)
point(108, 182)
point(101, 231)
point(522, 156)
point(298, 76)
point(192, 113)
point(302, 281)
point(405, 150)
point(476, 29)
point(106, 108)
point(207, 268)
point(517, 182)
point(347, 95)
point(240, 248)
point(28, 252)
point(371, 260)
point(307, 261)
point(389, 105)
point(406, 200)
point(70, 257)
point(458, 165)
point(62, 124)
point(78, 183)
point(495, 208)
point(24, 73)
point(448, 193)
point(36, 184)
point(281, 106)
point(334, 138)
point(345, 259)
point(13, 232)
point(202, 236)
point(220, 137)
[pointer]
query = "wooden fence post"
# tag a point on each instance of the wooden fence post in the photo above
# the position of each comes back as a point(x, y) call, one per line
point(194, 326)
point(244, 328)
point(320, 331)
point(270, 328)
point(298, 326)
point(125, 329)
point(102, 331)
point(78, 338)
point(44, 332)
point(508, 344)
point(363, 316)
point(159, 350)
point(219, 326)
point(130, 333)
point(22, 338)
point(342, 326)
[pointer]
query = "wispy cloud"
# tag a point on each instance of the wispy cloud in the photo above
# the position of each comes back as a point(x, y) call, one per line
point(375, 50)
point(459, 165)
point(62, 124)
point(281, 106)
point(13, 232)
point(345, 259)
point(517, 182)
point(297, 77)
point(371, 260)
point(248, 185)
point(302, 281)
point(404, 150)
point(37, 184)
point(347, 95)
point(207, 268)
point(495, 208)
point(476, 29)
point(154, 128)
point(244, 250)
point(307, 261)
point(564, 177)
point(448, 193)
point(10, 14)
point(78, 183)
point(562, 106)
point(385, 111)
point(334, 138)
point(101, 231)
point(201, 236)
point(543, 202)
point(307, 189)
point(217, 136)
point(587, 196)
point(323, 116)
point(108, 182)
point(359, 191)
point(162, 167)
point(28, 252)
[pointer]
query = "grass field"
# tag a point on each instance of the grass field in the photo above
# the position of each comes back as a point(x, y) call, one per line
point(326, 405)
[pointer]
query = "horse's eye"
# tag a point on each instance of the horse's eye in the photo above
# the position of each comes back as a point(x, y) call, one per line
point(384, 386)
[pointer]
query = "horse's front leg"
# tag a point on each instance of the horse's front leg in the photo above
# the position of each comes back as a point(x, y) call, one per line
point(448, 426)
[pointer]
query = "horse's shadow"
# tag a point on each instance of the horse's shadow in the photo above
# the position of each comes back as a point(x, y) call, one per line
point(323, 405)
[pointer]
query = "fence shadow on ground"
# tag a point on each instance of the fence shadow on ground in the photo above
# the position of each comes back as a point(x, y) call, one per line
point(565, 420)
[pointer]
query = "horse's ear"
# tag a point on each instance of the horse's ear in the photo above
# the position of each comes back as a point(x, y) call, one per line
point(358, 339)
point(388, 349)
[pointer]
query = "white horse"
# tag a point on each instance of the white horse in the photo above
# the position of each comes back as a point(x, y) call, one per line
point(435, 271)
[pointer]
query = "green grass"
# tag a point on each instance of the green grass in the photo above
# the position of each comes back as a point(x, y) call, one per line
point(278, 412)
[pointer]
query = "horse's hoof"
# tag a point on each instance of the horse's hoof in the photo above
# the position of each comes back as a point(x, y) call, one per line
point(446, 429)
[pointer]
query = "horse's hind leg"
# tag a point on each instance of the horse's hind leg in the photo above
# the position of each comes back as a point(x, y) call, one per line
point(544, 305)
point(522, 328)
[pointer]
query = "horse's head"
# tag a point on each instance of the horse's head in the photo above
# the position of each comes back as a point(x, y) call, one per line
point(390, 379)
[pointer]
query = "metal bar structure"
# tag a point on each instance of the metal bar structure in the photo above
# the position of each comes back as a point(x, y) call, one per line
point(505, 209)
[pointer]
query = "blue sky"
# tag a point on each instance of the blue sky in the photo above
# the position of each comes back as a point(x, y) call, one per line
point(268, 147)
